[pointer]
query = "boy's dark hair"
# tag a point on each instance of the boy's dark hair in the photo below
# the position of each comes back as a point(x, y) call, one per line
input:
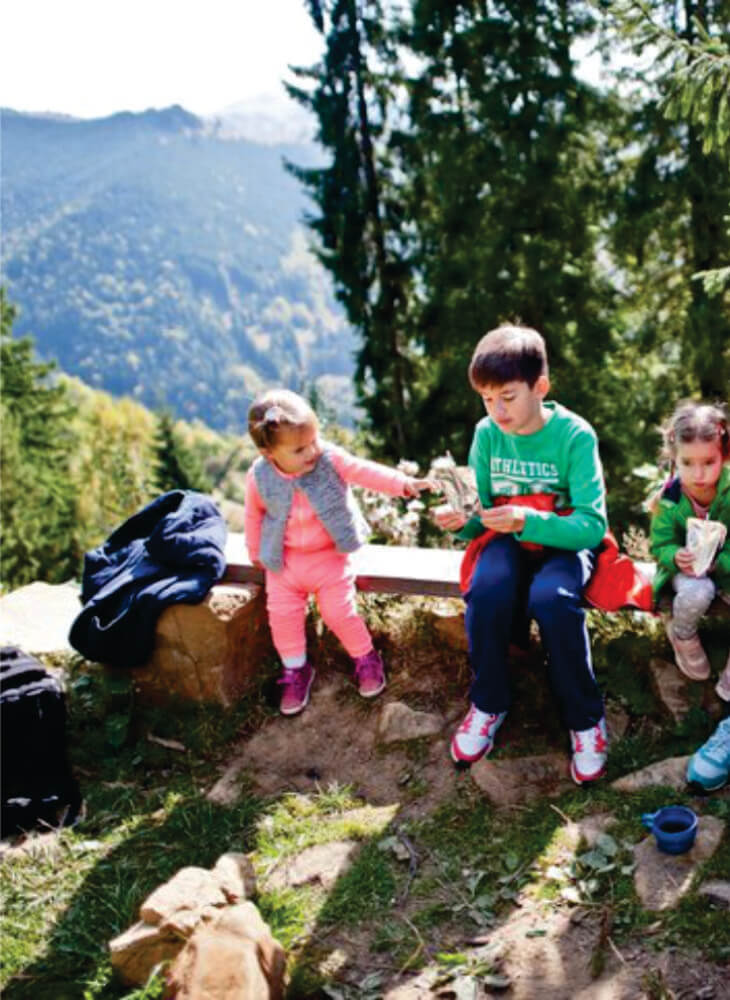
point(508, 354)
point(277, 409)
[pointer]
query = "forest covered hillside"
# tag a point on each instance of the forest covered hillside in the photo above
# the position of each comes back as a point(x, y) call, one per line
point(164, 256)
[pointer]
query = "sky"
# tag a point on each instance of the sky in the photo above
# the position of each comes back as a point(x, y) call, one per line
point(91, 58)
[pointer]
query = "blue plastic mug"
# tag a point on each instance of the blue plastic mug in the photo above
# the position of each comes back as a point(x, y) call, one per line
point(674, 827)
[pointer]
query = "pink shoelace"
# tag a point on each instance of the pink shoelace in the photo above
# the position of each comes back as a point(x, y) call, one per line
point(466, 725)
point(295, 678)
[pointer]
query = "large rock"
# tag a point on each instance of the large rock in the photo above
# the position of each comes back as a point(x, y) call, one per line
point(139, 949)
point(662, 879)
point(323, 863)
point(191, 899)
point(670, 773)
point(671, 687)
point(210, 651)
point(522, 779)
point(189, 889)
point(447, 617)
point(717, 891)
point(236, 876)
point(399, 722)
point(235, 958)
point(38, 617)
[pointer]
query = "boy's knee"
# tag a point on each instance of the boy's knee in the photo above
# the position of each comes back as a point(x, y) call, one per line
point(547, 598)
point(493, 589)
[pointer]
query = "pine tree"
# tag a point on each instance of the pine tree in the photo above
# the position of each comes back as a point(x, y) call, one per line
point(506, 192)
point(360, 220)
point(37, 500)
point(177, 468)
point(671, 233)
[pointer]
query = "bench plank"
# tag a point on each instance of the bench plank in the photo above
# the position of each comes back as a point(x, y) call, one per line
point(380, 569)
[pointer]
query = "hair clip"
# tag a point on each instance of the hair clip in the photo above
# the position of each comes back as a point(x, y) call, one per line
point(272, 415)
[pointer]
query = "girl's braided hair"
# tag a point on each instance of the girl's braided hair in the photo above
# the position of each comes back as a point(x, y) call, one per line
point(692, 421)
point(277, 409)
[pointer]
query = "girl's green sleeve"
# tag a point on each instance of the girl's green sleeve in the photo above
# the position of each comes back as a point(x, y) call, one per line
point(666, 535)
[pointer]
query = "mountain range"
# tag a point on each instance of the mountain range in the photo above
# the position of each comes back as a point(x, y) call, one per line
point(165, 256)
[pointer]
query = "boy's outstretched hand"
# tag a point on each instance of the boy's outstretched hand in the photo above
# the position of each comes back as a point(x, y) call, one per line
point(412, 487)
point(505, 519)
point(447, 518)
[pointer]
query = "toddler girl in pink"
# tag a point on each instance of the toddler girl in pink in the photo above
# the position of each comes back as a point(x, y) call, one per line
point(301, 523)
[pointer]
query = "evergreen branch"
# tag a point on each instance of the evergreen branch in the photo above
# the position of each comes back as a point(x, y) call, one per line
point(700, 89)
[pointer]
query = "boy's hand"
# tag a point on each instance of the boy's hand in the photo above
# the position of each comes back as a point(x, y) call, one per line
point(506, 519)
point(412, 487)
point(448, 518)
point(685, 562)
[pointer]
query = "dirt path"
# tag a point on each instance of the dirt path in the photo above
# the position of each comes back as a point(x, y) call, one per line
point(538, 951)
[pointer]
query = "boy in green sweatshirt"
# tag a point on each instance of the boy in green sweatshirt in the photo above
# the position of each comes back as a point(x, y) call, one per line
point(541, 487)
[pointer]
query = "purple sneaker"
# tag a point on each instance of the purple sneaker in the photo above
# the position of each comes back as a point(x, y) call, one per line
point(370, 674)
point(296, 682)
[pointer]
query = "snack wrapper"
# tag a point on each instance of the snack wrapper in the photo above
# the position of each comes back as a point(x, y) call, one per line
point(458, 484)
point(705, 538)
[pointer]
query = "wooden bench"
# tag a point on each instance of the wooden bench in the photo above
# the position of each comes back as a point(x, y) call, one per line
point(382, 569)
point(213, 651)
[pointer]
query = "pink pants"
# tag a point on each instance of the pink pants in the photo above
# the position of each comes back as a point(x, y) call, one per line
point(328, 575)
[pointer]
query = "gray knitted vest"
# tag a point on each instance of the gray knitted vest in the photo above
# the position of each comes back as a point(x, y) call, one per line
point(331, 500)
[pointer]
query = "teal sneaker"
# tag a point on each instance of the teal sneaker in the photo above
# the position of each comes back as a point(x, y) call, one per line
point(709, 767)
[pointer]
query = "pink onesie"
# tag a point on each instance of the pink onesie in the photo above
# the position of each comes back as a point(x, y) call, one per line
point(312, 565)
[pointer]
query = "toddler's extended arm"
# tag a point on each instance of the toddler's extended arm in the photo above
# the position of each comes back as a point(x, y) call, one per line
point(374, 476)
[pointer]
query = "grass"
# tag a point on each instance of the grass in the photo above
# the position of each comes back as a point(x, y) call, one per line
point(416, 890)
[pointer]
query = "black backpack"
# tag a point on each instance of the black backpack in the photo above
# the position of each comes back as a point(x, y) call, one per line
point(37, 786)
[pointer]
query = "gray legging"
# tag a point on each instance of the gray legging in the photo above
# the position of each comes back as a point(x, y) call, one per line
point(693, 596)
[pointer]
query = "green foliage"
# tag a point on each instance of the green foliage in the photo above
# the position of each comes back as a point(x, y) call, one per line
point(37, 500)
point(177, 467)
point(361, 226)
point(76, 463)
point(505, 181)
point(700, 64)
point(492, 183)
point(180, 275)
point(113, 463)
point(673, 187)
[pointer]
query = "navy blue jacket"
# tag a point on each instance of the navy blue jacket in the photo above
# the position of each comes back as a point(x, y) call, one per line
point(170, 552)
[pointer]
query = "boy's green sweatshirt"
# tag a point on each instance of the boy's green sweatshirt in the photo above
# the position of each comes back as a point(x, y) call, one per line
point(669, 534)
point(561, 458)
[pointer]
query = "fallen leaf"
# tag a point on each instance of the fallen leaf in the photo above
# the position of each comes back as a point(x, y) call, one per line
point(571, 894)
point(170, 744)
point(497, 981)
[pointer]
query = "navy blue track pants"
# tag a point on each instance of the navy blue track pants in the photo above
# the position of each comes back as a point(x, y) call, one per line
point(509, 583)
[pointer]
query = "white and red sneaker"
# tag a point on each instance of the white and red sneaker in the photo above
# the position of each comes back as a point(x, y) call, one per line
point(590, 749)
point(475, 736)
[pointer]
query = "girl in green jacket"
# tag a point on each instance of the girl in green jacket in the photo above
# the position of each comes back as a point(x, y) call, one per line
point(697, 442)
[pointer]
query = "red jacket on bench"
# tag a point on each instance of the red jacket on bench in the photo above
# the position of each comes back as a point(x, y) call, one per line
point(615, 583)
